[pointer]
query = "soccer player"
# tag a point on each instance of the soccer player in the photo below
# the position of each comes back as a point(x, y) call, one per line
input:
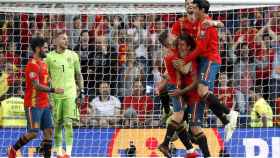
point(209, 63)
point(36, 102)
point(64, 70)
point(174, 82)
point(189, 81)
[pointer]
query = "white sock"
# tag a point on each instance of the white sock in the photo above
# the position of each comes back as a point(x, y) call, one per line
point(69, 150)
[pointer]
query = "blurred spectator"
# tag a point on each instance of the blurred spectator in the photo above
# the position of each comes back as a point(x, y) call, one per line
point(244, 71)
point(226, 44)
point(245, 33)
point(261, 113)
point(264, 58)
point(75, 31)
point(133, 71)
point(105, 106)
point(138, 102)
point(139, 36)
point(225, 92)
point(104, 63)
point(11, 55)
point(258, 20)
point(274, 89)
point(86, 54)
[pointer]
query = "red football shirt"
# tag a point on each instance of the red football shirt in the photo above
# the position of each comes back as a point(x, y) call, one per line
point(207, 44)
point(184, 25)
point(173, 76)
point(36, 70)
point(142, 104)
point(191, 96)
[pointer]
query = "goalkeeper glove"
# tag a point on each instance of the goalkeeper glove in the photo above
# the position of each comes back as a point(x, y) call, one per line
point(81, 97)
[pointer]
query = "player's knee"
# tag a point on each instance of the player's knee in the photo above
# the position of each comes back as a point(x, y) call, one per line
point(178, 116)
point(198, 135)
point(33, 133)
point(68, 123)
point(196, 130)
point(202, 89)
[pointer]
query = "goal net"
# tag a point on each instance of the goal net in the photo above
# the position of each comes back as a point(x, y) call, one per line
point(120, 55)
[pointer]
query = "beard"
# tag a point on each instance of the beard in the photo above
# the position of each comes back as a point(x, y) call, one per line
point(42, 55)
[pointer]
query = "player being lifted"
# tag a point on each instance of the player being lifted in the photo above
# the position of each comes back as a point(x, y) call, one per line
point(64, 70)
point(186, 24)
point(209, 62)
point(36, 102)
point(188, 76)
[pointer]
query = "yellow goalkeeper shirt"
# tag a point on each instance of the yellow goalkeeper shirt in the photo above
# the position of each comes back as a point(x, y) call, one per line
point(62, 68)
point(261, 108)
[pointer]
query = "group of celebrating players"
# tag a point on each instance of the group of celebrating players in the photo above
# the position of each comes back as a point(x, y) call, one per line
point(191, 64)
point(60, 68)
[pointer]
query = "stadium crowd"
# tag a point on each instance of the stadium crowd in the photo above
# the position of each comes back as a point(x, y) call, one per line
point(121, 61)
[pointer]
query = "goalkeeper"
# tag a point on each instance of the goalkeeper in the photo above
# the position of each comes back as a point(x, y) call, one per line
point(65, 72)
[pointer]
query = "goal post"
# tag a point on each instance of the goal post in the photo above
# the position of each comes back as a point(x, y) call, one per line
point(117, 42)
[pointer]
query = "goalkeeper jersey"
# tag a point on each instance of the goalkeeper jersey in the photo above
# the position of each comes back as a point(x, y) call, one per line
point(62, 68)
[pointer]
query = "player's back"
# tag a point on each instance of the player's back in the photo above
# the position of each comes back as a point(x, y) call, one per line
point(62, 67)
point(36, 69)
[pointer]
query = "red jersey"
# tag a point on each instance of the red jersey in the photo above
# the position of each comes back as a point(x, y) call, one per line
point(36, 70)
point(142, 104)
point(207, 44)
point(192, 95)
point(184, 25)
point(173, 76)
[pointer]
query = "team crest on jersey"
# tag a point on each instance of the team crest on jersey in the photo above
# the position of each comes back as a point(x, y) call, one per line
point(32, 74)
point(202, 34)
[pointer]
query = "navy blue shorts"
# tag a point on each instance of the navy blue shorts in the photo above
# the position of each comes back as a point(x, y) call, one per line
point(177, 101)
point(207, 72)
point(195, 114)
point(35, 115)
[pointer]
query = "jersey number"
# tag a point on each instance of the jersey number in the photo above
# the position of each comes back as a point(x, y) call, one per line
point(62, 68)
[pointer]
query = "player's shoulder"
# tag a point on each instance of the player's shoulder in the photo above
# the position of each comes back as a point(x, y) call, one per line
point(72, 53)
point(32, 63)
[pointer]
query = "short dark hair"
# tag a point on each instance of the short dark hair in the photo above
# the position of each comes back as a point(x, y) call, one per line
point(83, 31)
point(77, 18)
point(188, 39)
point(37, 42)
point(163, 37)
point(202, 4)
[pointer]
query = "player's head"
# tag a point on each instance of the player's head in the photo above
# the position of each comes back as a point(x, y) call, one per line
point(164, 39)
point(61, 40)
point(37, 46)
point(200, 7)
point(185, 44)
point(104, 89)
point(189, 6)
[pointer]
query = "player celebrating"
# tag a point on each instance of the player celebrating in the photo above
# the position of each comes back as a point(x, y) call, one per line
point(64, 69)
point(186, 43)
point(36, 102)
point(209, 62)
